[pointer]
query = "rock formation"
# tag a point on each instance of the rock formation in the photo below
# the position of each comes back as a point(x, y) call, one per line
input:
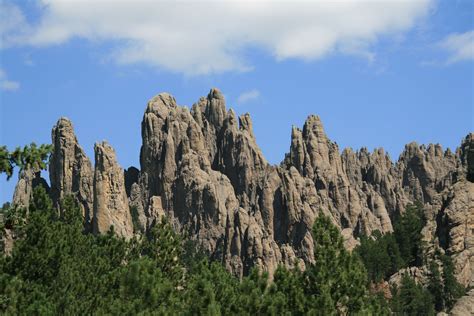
point(202, 168)
point(70, 171)
point(455, 228)
point(28, 180)
point(464, 306)
point(110, 199)
point(216, 185)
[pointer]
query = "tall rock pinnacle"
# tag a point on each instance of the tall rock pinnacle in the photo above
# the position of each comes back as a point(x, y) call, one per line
point(110, 198)
point(70, 170)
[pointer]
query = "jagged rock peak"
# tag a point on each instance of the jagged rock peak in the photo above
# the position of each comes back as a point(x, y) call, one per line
point(215, 109)
point(426, 170)
point(298, 156)
point(412, 149)
point(64, 125)
point(215, 93)
point(245, 124)
point(314, 125)
point(160, 103)
point(110, 199)
point(70, 170)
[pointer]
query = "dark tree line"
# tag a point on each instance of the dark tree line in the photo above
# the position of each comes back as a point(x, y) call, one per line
point(56, 268)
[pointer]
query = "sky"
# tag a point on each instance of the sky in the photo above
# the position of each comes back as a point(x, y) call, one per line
point(378, 73)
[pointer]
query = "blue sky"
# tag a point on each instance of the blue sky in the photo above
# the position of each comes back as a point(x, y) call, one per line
point(379, 74)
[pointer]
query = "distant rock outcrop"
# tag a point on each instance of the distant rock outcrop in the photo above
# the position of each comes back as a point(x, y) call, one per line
point(202, 168)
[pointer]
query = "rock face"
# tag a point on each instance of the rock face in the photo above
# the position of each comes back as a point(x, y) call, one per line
point(70, 171)
point(110, 198)
point(450, 217)
point(459, 215)
point(202, 168)
point(464, 306)
point(216, 185)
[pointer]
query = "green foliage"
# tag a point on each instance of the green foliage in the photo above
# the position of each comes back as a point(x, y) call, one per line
point(337, 281)
point(27, 157)
point(211, 290)
point(164, 247)
point(252, 291)
point(407, 231)
point(286, 293)
point(435, 286)
point(12, 217)
point(57, 268)
point(442, 284)
point(141, 288)
point(412, 299)
point(335, 284)
point(380, 255)
point(135, 221)
point(452, 290)
point(383, 255)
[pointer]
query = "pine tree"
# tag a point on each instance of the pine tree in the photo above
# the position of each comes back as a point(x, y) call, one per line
point(58, 268)
point(452, 290)
point(380, 255)
point(412, 299)
point(30, 156)
point(435, 286)
point(285, 295)
point(164, 246)
point(407, 231)
point(337, 281)
point(251, 293)
point(211, 290)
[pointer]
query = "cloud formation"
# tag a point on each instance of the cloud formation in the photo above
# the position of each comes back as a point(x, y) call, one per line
point(7, 85)
point(248, 96)
point(460, 46)
point(202, 37)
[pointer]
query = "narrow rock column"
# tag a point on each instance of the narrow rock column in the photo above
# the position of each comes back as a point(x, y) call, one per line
point(70, 170)
point(110, 198)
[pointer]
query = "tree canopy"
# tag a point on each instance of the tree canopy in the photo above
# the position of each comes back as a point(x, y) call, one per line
point(57, 268)
point(30, 156)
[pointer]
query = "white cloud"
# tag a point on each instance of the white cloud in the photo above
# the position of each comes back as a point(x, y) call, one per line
point(201, 37)
point(13, 25)
point(248, 96)
point(7, 85)
point(460, 46)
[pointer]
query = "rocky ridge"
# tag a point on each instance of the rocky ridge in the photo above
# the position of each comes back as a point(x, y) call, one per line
point(202, 168)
